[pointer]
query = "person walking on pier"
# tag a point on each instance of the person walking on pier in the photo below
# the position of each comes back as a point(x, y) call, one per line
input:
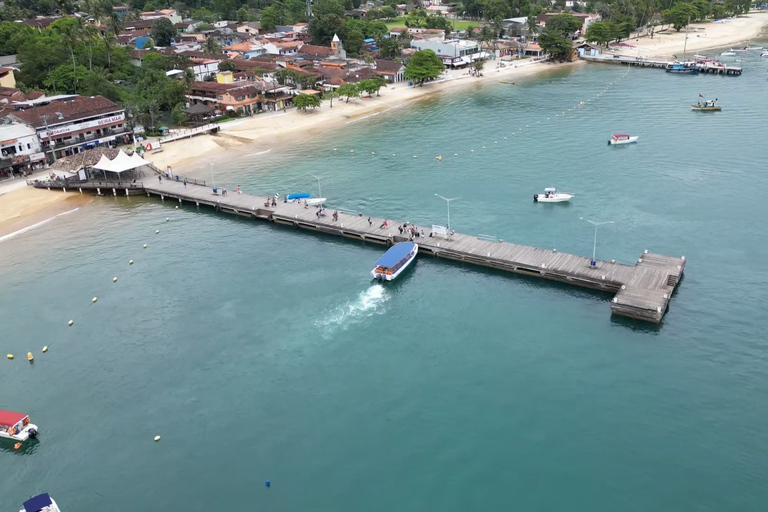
point(159, 179)
point(370, 222)
point(238, 190)
point(336, 215)
point(185, 182)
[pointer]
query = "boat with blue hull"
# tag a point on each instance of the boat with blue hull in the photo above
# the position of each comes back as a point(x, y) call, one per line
point(395, 261)
point(686, 68)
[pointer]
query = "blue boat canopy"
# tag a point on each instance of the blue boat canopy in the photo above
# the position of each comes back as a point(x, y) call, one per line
point(298, 196)
point(37, 503)
point(395, 253)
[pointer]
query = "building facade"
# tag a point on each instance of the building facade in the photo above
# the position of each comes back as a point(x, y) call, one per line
point(69, 124)
point(454, 53)
point(19, 149)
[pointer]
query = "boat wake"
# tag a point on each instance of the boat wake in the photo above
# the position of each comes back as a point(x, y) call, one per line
point(368, 303)
point(34, 226)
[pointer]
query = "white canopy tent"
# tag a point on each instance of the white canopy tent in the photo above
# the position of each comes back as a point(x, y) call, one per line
point(121, 163)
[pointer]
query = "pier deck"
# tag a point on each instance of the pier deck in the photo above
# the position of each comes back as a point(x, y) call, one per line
point(642, 291)
point(628, 60)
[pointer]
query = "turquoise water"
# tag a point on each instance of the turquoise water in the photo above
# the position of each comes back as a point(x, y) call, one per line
point(260, 353)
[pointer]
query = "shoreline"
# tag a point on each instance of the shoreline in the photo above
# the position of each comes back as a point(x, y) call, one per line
point(22, 207)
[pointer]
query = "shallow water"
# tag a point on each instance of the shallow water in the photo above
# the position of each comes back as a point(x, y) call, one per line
point(261, 353)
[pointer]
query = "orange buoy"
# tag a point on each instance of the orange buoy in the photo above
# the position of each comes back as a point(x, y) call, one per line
point(17, 446)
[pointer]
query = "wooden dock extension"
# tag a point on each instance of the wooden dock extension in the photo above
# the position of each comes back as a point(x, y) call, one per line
point(642, 291)
point(706, 67)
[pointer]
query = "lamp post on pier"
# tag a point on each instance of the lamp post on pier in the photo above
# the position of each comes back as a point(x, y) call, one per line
point(319, 189)
point(448, 203)
point(593, 261)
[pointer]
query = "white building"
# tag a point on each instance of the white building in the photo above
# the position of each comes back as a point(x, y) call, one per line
point(19, 148)
point(454, 52)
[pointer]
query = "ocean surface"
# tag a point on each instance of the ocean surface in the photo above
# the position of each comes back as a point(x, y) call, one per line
point(262, 353)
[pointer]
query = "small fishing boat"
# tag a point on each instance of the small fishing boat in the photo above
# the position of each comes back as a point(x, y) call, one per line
point(685, 68)
point(764, 54)
point(622, 138)
point(551, 195)
point(508, 83)
point(16, 426)
point(395, 261)
point(707, 106)
point(315, 201)
point(748, 48)
point(738, 50)
point(729, 53)
point(293, 197)
point(40, 503)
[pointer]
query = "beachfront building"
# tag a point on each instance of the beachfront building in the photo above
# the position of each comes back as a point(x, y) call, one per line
point(454, 53)
point(19, 149)
point(391, 70)
point(68, 124)
point(7, 78)
point(226, 95)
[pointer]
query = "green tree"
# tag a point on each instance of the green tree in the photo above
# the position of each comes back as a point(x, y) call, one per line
point(212, 46)
point(163, 31)
point(680, 15)
point(495, 8)
point(330, 95)
point(601, 32)
point(323, 28)
point(225, 8)
point(389, 48)
point(388, 12)
point(178, 115)
point(227, 65)
point(565, 24)
point(558, 46)
point(424, 65)
point(203, 14)
point(64, 79)
point(303, 101)
point(532, 27)
point(353, 42)
point(323, 8)
point(478, 66)
point(348, 90)
point(372, 85)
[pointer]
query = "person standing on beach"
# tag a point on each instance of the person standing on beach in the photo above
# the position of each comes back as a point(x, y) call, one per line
point(238, 190)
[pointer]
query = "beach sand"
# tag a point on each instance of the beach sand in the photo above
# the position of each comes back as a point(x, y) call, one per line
point(27, 206)
point(701, 36)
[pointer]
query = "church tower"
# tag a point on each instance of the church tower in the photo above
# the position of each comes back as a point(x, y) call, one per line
point(338, 48)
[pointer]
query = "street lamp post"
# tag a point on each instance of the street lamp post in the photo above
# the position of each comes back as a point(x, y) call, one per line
point(448, 203)
point(593, 261)
point(319, 189)
point(213, 180)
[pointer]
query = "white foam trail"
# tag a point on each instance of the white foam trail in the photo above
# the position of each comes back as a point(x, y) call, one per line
point(368, 303)
point(33, 226)
point(364, 117)
point(259, 153)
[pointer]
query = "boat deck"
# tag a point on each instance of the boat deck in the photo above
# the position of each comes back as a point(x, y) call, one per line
point(642, 291)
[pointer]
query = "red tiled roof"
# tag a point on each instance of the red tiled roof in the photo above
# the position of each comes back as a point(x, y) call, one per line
point(232, 89)
point(311, 49)
point(33, 95)
point(388, 66)
point(11, 94)
point(73, 109)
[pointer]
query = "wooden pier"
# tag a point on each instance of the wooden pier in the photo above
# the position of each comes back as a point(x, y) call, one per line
point(642, 291)
point(705, 67)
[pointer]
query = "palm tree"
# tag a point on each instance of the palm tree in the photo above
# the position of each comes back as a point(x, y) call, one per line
point(115, 24)
point(109, 44)
point(532, 27)
point(189, 78)
point(69, 38)
point(89, 34)
point(212, 46)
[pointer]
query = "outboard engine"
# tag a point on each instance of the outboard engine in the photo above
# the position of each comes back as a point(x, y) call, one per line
point(32, 433)
point(535, 198)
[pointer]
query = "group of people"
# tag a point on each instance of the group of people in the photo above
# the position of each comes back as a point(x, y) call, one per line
point(268, 202)
point(412, 231)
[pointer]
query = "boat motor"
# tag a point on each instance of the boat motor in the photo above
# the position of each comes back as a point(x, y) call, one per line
point(535, 198)
point(32, 433)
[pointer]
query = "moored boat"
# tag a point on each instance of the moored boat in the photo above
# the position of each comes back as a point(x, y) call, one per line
point(764, 54)
point(729, 53)
point(622, 138)
point(551, 195)
point(293, 197)
point(737, 50)
point(315, 201)
point(40, 503)
point(686, 68)
point(16, 426)
point(395, 261)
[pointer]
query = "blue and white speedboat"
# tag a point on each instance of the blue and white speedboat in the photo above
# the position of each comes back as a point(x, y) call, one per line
point(394, 261)
point(40, 503)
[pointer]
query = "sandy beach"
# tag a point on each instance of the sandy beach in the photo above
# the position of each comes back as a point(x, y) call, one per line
point(701, 37)
point(21, 207)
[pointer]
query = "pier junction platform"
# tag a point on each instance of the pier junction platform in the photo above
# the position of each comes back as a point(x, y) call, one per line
point(641, 291)
point(702, 67)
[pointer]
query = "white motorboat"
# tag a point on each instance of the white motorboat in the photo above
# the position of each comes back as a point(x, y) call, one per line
point(395, 261)
point(737, 50)
point(764, 54)
point(16, 426)
point(40, 503)
point(729, 53)
point(314, 201)
point(622, 138)
point(754, 48)
point(551, 195)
